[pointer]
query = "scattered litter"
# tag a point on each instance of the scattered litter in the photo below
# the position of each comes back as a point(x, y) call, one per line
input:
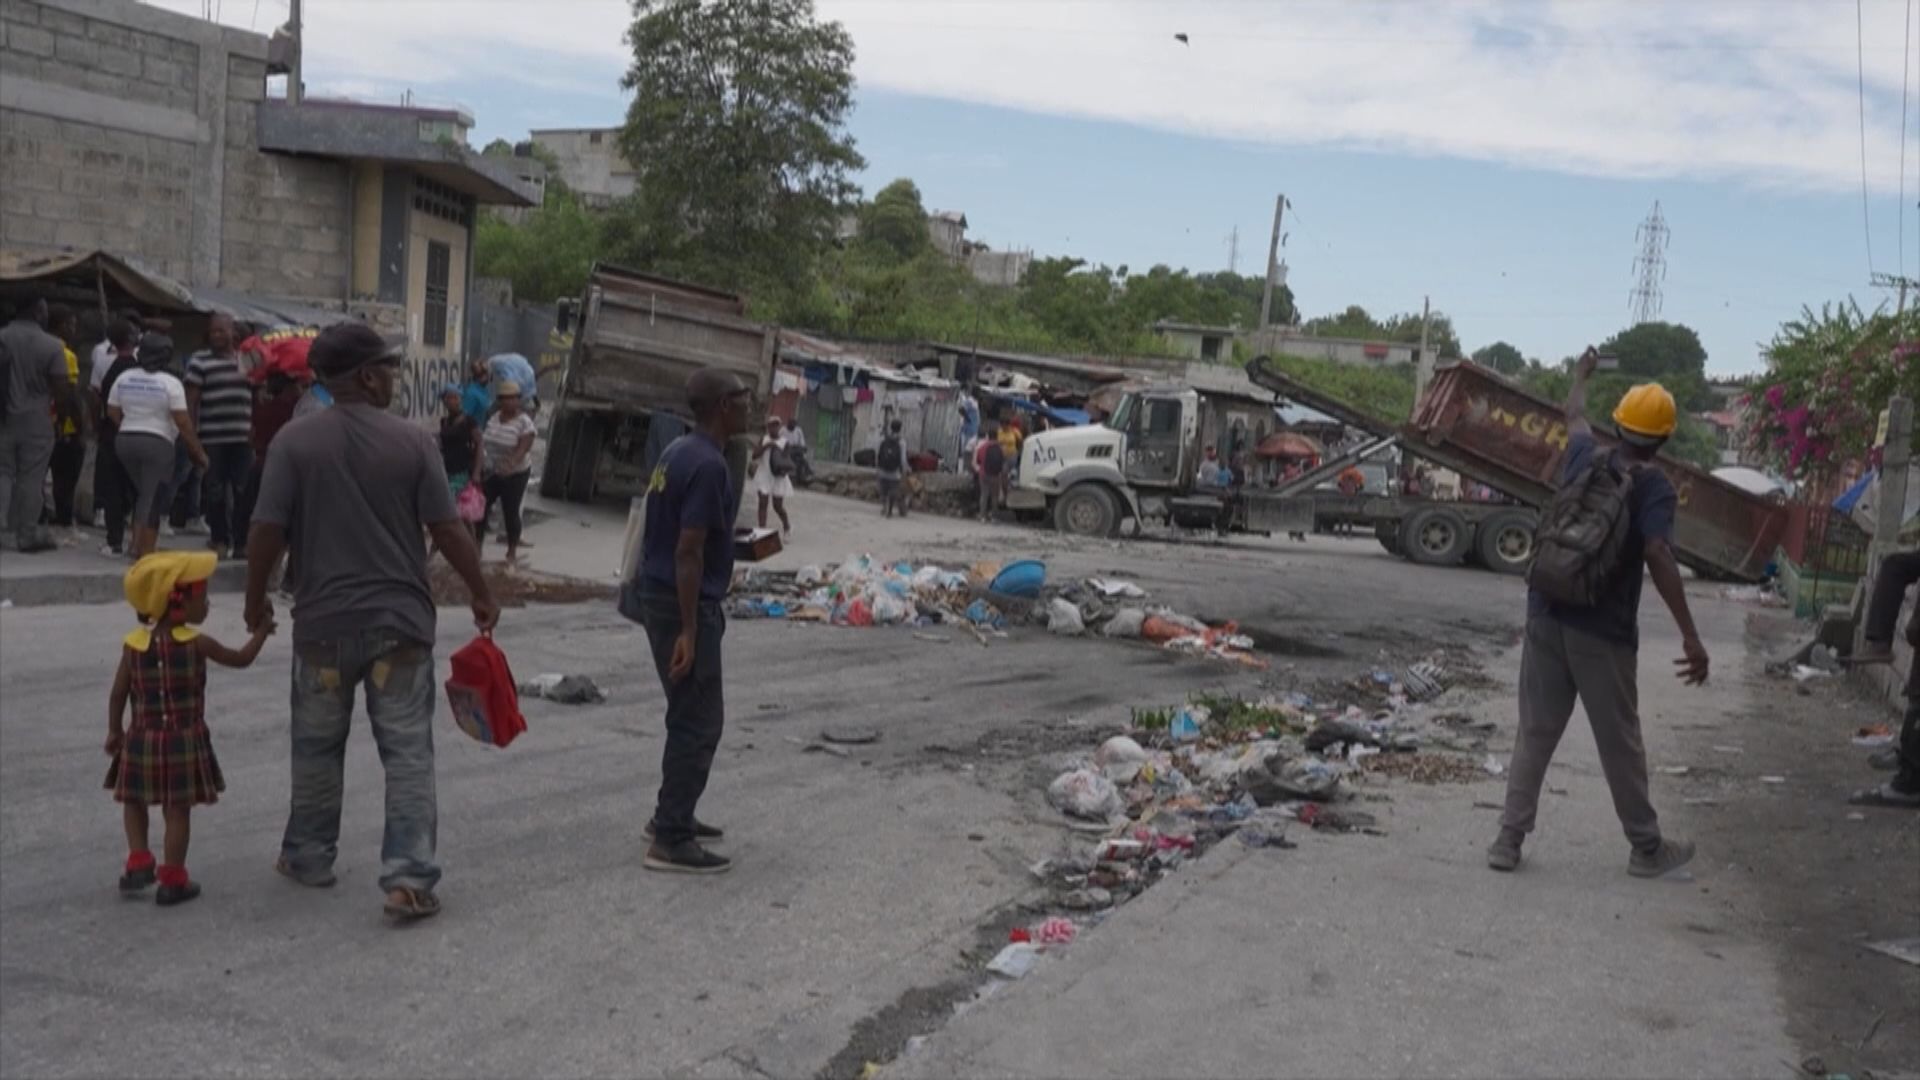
point(1729, 750)
point(1265, 836)
point(1064, 619)
point(1906, 950)
point(1873, 736)
point(1112, 587)
point(1424, 681)
point(1674, 770)
point(1493, 765)
point(932, 639)
point(1186, 723)
point(1802, 673)
point(850, 736)
point(564, 689)
point(1125, 623)
point(981, 613)
point(1773, 779)
point(1119, 750)
point(1055, 931)
point(1083, 793)
point(1856, 816)
point(1022, 579)
point(1014, 961)
point(1092, 898)
point(1753, 594)
point(825, 748)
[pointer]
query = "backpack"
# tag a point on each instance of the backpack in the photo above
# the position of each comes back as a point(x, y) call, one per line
point(996, 458)
point(485, 701)
point(888, 459)
point(779, 462)
point(1582, 532)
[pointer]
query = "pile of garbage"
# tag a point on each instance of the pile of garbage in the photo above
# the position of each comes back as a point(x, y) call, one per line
point(862, 591)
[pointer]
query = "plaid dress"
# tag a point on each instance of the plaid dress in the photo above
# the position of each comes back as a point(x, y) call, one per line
point(168, 756)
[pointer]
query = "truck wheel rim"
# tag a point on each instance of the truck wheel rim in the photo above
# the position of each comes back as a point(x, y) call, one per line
point(1083, 516)
point(1514, 543)
point(1437, 537)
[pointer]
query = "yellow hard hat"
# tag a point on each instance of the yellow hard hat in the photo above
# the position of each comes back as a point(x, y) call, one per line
point(1647, 410)
point(154, 578)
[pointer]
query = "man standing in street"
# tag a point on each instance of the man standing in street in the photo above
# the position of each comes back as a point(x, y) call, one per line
point(1898, 572)
point(351, 490)
point(1590, 653)
point(37, 387)
point(686, 564)
point(221, 401)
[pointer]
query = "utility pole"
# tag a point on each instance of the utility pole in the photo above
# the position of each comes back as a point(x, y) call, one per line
point(294, 88)
point(1423, 370)
point(1233, 251)
point(1273, 261)
point(1895, 281)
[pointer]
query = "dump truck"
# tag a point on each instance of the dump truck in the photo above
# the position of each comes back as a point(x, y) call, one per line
point(1481, 426)
point(638, 340)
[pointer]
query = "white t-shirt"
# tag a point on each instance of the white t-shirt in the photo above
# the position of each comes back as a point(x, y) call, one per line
point(103, 355)
point(148, 399)
point(499, 441)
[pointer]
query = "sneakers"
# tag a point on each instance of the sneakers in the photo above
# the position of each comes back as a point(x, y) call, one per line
point(687, 858)
point(108, 551)
point(701, 831)
point(1671, 855)
point(196, 527)
point(169, 895)
point(1504, 853)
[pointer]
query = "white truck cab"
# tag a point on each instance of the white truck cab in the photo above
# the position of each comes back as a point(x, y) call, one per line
point(1140, 463)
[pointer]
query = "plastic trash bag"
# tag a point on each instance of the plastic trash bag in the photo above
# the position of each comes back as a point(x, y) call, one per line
point(1083, 793)
point(1125, 623)
point(1063, 618)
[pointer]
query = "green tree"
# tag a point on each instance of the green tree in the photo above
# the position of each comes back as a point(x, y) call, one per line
point(1355, 322)
point(1668, 353)
point(738, 134)
point(498, 148)
point(1386, 393)
point(548, 255)
point(1501, 357)
point(896, 221)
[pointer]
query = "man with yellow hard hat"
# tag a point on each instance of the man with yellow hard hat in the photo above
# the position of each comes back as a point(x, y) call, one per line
point(1589, 652)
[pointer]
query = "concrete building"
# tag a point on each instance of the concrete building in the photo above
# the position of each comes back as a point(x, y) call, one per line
point(948, 231)
point(1209, 343)
point(1003, 268)
point(590, 162)
point(150, 134)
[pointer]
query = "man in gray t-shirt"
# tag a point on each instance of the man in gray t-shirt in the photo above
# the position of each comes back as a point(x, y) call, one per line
point(36, 382)
point(353, 490)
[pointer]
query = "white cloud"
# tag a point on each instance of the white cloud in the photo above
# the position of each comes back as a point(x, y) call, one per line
point(1758, 91)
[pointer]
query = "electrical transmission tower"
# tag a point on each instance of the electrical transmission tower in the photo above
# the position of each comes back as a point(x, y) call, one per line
point(1649, 267)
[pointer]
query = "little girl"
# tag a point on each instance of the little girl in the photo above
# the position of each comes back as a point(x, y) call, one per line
point(167, 756)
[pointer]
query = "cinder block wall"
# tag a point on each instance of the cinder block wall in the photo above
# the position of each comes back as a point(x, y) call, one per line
point(130, 128)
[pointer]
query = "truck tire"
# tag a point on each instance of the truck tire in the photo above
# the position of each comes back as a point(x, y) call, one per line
point(583, 459)
point(1389, 537)
point(553, 474)
point(1505, 542)
point(1434, 536)
point(1087, 510)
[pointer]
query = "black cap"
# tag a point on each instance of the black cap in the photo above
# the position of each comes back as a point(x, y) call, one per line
point(156, 350)
point(344, 348)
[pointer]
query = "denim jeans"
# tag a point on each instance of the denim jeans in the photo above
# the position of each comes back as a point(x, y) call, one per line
point(696, 710)
point(224, 497)
point(398, 676)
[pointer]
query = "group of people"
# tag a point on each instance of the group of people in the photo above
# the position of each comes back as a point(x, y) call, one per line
point(351, 494)
point(486, 442)
point(994, 457)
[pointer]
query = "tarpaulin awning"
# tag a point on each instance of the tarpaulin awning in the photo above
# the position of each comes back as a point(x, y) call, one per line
point(264, 311)
point(1289, 444)
point(91, 270)
point(1071, 417)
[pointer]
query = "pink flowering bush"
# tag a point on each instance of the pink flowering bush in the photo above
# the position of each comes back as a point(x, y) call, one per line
point(1828, 377)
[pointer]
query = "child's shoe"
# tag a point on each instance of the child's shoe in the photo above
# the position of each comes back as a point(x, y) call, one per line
point(139, 875)
point(174, 887)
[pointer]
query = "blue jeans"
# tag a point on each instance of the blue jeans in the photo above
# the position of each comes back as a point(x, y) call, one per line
point(398, 676)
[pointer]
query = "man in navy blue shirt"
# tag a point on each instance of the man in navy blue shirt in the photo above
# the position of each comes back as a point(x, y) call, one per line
point(686, 565)
point(1591, 654)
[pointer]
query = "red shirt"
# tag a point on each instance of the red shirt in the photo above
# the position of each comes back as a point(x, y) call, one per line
point(270, 414)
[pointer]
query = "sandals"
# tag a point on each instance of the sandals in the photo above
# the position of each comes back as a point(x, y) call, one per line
point(409, 904)
point(1886, 795)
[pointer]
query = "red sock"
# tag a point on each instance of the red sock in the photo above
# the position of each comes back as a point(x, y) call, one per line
point(173, 875)
point(138, 861)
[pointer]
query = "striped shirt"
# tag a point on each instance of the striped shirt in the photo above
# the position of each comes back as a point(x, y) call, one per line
point(500, 440)
point(226, 399)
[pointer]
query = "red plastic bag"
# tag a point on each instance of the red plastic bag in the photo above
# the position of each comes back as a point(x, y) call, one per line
point(471, 503)
point(484, 697)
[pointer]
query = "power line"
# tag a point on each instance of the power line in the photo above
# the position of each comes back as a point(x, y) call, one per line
point(1866, 212)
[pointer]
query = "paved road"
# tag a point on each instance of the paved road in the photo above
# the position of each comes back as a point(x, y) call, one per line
point(865, 886)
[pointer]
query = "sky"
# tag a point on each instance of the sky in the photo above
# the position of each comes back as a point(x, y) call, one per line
point(1495, 156)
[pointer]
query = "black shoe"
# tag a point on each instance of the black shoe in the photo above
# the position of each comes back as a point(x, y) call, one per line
point(135, 882)
point(687, 858)
point(169, 895)
point(701, 831)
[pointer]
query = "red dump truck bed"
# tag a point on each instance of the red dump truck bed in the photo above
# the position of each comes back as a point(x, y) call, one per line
point(1480, 425)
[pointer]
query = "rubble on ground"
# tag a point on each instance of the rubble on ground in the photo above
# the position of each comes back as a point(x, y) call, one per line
point(563, 689)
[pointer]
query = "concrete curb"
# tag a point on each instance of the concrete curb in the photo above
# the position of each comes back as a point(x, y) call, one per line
point(103, 586)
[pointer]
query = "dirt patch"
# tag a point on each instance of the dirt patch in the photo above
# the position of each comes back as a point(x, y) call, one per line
point(513, 587)
point(1267, 640)
point(1427, 768)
